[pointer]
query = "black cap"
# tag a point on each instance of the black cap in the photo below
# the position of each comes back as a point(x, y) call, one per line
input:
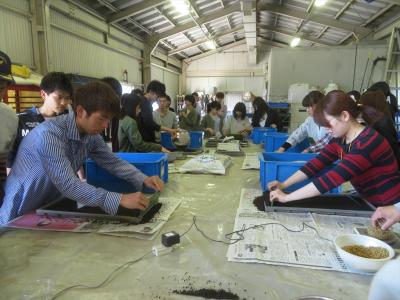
point(5, 67)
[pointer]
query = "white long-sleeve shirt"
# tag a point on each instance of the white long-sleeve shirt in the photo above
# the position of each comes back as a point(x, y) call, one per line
point(307, 129)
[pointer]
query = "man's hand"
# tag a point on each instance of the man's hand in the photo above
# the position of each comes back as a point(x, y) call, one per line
point(280, 150)
point(154, 182)
point(165, 150)
point(386, 214)
point(172, 131)
point(134, 201)
point(211, 131)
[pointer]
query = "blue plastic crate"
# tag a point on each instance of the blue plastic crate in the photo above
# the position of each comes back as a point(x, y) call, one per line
point(278, 104)
point(280, 166)
point(166, 141)
point(272, 141)
point(196, 140)
point(257, 134)
point(195, 143)
point(151, 164)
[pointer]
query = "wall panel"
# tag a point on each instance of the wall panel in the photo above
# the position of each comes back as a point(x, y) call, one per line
point(15, 34)
point(79, 48)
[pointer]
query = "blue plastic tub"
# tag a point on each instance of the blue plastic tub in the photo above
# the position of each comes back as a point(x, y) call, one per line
point(166, 141)
point(272, 141)
point(257, 134)
point(280, 166)
point(278, 104)
point(151, 164)
point(196, 140)
point(195, 143)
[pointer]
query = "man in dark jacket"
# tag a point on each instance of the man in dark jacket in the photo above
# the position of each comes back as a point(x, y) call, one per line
point(56, 91)
point(147, 126)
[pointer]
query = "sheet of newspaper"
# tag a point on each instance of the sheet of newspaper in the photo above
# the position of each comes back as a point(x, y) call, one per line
point(251, 161)
point(228, 147)
point(103, 226)
point(289, 239)
point(147, 230)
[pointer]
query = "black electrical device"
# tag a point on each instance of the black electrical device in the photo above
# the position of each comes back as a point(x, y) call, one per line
point(171, 238)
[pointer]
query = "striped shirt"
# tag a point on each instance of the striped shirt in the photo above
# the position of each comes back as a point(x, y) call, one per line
point(46, 165)
point(368, 163)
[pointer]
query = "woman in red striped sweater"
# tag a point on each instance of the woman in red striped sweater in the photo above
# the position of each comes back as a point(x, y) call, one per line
point(366, 158)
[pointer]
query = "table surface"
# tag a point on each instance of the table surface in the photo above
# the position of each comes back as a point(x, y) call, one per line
point(36, 265)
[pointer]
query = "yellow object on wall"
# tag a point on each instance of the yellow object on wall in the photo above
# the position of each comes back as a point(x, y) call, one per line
point(21, 71)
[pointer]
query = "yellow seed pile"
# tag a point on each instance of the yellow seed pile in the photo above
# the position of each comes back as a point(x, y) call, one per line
point(367, 252)
point(380, 234)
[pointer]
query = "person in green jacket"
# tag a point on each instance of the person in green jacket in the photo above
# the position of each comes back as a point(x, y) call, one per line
point(211, 123)
point(189, 118)
point(129, 137)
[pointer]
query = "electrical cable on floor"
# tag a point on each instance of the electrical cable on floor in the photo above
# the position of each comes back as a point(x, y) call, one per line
point(104, 282)
point(228, 236)
point(239, 233)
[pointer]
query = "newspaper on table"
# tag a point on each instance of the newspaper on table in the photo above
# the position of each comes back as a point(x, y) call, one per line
point(251, 161)
point(289, 239)
point(231, 149)
point(146, 231)
point(207, 164)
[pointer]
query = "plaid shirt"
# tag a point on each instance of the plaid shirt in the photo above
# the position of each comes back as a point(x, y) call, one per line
point(321, 143)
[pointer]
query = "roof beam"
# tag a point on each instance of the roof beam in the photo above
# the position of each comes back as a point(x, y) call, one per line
point(337, 16)
point(302, 36)
point(218, 50)
point(281, 10)
point(134, 10)
point(386, 30)
point(271, 43)
point(195, 8)
point(396, 2)
point(201, 41)
point(202, 20)
point(375, 16)
point(163, 13)
point(309, 9)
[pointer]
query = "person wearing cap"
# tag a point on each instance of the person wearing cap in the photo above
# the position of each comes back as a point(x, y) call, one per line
point(56, 91)
point(49, 157)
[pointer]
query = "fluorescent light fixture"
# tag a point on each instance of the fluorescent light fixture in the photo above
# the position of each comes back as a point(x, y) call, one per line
point(211, 44)
point(295, 42)
point(181, 6)
point(319, 3)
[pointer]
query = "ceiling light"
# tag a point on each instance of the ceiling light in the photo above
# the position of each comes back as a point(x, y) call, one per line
point(181, 6)
point(319, 3)
point(210, 44)
point(295, 42)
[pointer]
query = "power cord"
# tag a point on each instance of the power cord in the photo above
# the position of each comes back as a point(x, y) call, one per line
point(104, 282)
point(228, 236)
point(240, 232)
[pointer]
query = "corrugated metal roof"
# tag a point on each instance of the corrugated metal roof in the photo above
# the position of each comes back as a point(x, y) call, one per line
point(160, 17)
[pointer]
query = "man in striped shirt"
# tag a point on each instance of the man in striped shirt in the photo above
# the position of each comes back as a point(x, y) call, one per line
point(49, 157)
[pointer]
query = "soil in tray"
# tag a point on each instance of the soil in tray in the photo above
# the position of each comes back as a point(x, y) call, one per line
point(342, 202)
